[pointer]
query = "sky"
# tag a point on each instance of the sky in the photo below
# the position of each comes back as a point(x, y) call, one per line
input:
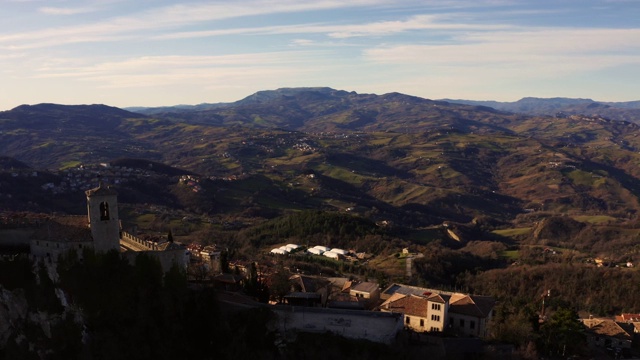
point(163, 52)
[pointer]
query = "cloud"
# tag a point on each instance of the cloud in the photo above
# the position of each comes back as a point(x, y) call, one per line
point(66, 11)
point(302, 42)
point(167, 17)
point(149, 70)
point(552, 49)
point(382, 28)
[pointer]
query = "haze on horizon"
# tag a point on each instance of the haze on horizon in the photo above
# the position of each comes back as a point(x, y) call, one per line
point(167, 52)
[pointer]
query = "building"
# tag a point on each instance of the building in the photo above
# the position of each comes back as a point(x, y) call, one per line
point(607, 333)
point(365, 290)
point(102, 211)
point(101, 230)
point(430, 310)
point(421, 313)
point(470, 314)
point(415, 310)
point(58, 235)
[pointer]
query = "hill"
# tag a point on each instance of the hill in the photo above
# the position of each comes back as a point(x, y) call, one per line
point(396, 158)
point(562, 107)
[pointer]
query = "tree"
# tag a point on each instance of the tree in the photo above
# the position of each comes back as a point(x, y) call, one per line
point(563, 334)
point(224, 262)
point(280, 285)
point(254, 286)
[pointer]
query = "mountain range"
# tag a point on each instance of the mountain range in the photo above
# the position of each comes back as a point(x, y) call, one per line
point(562, 107)
point(394, 156)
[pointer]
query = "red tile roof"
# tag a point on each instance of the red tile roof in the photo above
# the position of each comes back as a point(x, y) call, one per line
point(409, 305)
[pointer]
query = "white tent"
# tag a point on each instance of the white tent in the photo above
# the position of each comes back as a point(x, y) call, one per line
point(291, 247)
point(278, 251)
point(331, 254)
point(315, 251)
point(323, 248)
point(339, 251)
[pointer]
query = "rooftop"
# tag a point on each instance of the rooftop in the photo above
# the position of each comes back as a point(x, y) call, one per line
point(64, 229)
point(413, 305)
point(368, 287)
point(607, 327)
point(101, 190)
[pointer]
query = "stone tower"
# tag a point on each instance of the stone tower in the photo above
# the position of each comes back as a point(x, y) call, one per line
point(102, 209)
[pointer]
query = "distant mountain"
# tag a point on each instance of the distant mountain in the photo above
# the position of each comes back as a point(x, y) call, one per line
point(176, 108)
point(623, 111)
point(326, 109)
point(48, 135)
point(392, 156)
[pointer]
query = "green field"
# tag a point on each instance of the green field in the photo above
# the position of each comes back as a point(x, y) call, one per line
point(512, 232)
point(595, 219)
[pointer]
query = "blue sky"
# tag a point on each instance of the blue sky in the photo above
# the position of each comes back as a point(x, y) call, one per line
point(161, 52)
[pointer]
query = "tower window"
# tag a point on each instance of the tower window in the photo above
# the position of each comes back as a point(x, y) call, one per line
point(104, 211)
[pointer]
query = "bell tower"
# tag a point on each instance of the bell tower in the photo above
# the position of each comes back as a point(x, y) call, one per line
point(102, 209)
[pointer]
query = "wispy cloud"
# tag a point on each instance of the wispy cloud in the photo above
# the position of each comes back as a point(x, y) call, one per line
point(168, 17)
point(413, 23)
point(66, 11)
point(555, 49)
point(165, 69)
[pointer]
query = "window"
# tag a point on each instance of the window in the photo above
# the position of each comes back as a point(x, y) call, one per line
point(435, 306)
point(421, 322)
point(472, 324)
point(461, 323)
point(435, 317)
point(434, 329)
point(407, 320)
point(104, 210)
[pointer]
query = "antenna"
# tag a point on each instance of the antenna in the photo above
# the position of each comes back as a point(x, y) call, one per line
point(545, 295)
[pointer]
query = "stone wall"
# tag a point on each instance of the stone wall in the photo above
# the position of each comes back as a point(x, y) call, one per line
point(369, 325)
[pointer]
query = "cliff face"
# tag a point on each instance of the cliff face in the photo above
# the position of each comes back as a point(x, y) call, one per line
point(13, 313)
point(36, 320)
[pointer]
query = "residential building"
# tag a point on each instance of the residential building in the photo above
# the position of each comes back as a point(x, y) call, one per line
point(431, 310)
point(607, 333)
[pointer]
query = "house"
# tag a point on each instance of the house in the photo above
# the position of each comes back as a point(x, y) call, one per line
point(228, 282)
point(415, 310)
point(607, 333)
point(308, 290)
point(628, 318)
point(211, 257)
point(469, 314)
point(455, 313)
point(421, 313)
point(366, 292)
